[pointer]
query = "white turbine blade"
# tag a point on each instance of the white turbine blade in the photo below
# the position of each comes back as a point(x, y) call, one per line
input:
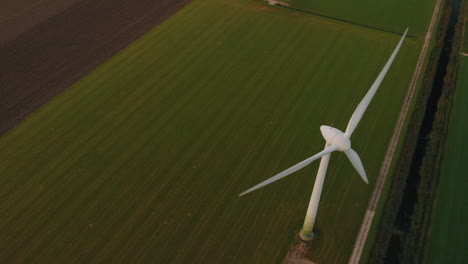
point(292, 169)
point(357, 164)
point(361, 108)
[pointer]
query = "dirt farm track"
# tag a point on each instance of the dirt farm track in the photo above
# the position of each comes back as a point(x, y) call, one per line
point(58, 43)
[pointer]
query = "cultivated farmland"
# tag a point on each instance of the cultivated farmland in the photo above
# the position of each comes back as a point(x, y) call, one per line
point(387, 15)
point(142, 160)
point(48, 50)
point(19, 16)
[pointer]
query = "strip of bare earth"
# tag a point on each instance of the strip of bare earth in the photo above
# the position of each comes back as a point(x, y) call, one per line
point(54, 54)
point(375, 198)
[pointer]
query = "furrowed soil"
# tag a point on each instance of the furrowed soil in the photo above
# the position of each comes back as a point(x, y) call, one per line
point(18, 16)
point(69, 39)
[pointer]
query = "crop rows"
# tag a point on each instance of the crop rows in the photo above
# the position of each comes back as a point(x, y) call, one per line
point(142, 160)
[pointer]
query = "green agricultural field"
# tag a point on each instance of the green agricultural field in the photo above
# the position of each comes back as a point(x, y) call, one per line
point(393, 15)
point(142, 160)
point(447, 236)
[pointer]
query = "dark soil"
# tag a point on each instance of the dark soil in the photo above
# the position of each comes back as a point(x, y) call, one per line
point(19, 16)
point(52, 55)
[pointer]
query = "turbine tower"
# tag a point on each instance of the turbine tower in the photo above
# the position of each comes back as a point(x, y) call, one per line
point(336, 140)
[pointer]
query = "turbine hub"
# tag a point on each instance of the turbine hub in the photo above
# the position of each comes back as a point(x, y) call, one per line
point(335, 137)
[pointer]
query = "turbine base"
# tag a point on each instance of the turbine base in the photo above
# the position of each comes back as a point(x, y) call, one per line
point(306, 236)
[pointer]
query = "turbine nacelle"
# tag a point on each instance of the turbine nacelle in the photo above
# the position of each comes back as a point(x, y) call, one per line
point(337, 140)
point(335, 137)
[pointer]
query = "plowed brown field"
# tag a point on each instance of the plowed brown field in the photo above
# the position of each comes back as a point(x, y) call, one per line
point(53, 54)
point(19, 16)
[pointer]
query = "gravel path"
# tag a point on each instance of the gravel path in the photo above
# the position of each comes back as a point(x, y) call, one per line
point(296, 255)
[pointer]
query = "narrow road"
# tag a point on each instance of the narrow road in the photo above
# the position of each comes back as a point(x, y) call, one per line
point(375, 198)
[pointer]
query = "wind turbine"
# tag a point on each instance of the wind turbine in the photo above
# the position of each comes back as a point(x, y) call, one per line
point(336, 140)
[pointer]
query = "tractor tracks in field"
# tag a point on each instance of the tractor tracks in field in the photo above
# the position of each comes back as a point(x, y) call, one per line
point(386, 165)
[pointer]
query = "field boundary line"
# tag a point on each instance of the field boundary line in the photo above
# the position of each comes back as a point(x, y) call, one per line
point(278, 4)
point(385, 168)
